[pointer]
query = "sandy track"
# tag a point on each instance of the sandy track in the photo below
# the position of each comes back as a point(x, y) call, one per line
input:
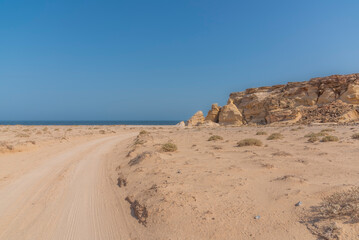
point(68, 196)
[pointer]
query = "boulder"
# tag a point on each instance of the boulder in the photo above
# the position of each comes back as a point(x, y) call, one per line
point(196, 119)
point(181, 124)
point(230, 115)
point(351, 96)
point(213, 114)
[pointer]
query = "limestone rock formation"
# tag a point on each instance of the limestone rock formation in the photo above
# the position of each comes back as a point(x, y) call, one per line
point(328, 99)
point(213, 114)
point(181, 124)
point(230, 114)
point(196, 119)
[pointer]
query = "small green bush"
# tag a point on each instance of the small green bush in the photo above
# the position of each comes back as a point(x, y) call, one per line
point(215, 138)
point(275, 136)
point(261, 133)
point(330, 139)
point(249, 142)
point(169, 147)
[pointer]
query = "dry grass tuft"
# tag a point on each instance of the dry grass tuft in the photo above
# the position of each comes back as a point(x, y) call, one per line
point(328, 130)
point(215, 138)
point(313, 139)
point(249, 142)
point(169, 147)
point(281, 154)
point(22, 135)
point(5, 146)
point(275, 136)
point(330, 139)
point(261, 133)
point(217, 147)
point(139, 158)
point(144, 132)
point(355, 136)
point(296, 129)
point(340, 205)
point(320, 134)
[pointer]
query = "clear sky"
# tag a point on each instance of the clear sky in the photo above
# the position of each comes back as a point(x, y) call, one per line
point(162, 60)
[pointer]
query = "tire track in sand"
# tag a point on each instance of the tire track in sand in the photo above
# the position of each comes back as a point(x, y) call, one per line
point(67, 197)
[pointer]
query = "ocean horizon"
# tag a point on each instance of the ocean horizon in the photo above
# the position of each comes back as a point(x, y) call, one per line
point(68, 123)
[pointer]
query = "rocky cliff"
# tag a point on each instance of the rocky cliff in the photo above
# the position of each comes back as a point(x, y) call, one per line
point(328, 99)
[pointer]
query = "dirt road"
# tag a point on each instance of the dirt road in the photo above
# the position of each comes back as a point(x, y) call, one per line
point(68, 195)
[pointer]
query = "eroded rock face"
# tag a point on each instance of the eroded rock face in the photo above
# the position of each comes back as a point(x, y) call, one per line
point(230, 115)
point(196, 119)
point(328, 99)
point(213, 114)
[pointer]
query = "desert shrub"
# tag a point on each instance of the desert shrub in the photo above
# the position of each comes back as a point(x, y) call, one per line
point(328, 130)
point(22, 135)
point(261, 133)
point(102, 131)
point(313, 139)
point(281, 154)
point(296, 129)
point(355, 136)
point(169, 147)
point(319, 134)
point(217, 147)
point(275, 136)
point(139, 141)
point(330, 139)
point(249, 142)
point(139, 158)
point(144, 132)
point(6, 146)
point(340, 205)
point(215, 138)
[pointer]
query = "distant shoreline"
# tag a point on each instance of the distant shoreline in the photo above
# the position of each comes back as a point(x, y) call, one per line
point(70, 123)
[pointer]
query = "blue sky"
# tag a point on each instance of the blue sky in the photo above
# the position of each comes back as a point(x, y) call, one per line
point(162, 60)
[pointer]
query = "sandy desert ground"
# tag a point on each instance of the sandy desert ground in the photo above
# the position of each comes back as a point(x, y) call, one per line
point(152, 182)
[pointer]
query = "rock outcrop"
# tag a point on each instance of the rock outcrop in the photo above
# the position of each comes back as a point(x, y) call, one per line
point(196, 119)
point(213, 114)
point(328, 99)
point(230, 115)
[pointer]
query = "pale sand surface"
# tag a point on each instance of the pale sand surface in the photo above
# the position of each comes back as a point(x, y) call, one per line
point(57, 183)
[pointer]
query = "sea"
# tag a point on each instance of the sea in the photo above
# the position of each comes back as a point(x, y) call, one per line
point(89, 122)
